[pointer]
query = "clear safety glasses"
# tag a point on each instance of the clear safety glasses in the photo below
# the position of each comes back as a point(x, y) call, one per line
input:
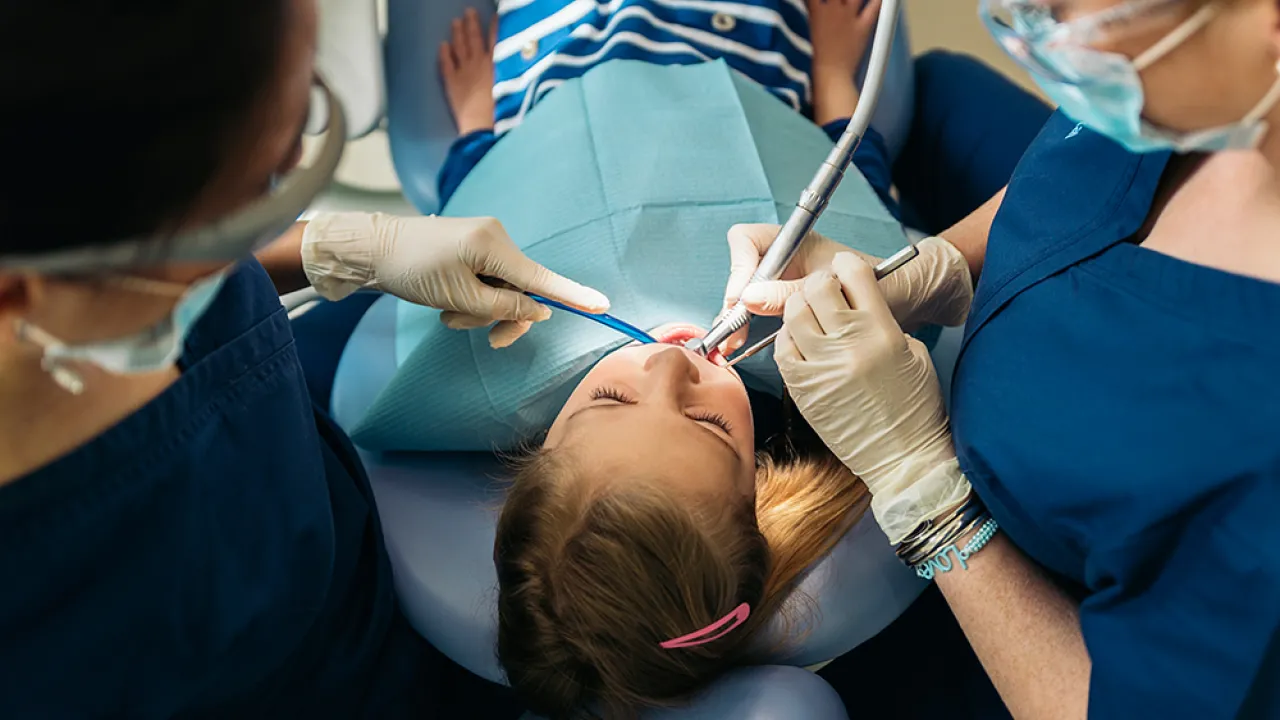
point(231, 238)
point(1033, 34)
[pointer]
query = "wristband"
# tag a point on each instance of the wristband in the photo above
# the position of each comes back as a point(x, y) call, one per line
point(943, 563)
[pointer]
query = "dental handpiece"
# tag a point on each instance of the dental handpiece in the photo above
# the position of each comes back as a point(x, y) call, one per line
point(883, 270)
point(814, 198)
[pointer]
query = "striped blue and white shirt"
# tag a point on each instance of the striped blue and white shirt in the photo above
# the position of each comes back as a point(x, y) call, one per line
point(543, 43)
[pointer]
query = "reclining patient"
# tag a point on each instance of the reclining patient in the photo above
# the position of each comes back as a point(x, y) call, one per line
point(644, 545)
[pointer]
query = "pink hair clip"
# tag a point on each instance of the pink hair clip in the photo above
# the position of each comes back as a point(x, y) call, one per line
point(712, 632)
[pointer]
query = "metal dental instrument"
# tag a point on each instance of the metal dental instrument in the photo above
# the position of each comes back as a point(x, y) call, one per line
point(608, 321)
point(884, 269)
point(814, 198)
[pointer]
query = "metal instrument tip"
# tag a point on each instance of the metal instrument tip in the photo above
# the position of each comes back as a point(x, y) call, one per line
point(695, 345)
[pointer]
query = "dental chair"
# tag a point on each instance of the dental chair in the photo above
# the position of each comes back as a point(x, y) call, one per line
point(439, 510)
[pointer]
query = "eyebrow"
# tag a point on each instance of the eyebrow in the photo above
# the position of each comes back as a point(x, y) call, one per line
point(724, 442)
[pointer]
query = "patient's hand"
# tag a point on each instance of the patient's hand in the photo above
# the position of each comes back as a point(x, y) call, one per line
point(841, 31)
point(466, 66)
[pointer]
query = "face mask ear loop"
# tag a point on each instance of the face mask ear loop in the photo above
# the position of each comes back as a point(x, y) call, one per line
point(1180, 34)
point(1268, 102)
point(65, 377)
point(149, 286)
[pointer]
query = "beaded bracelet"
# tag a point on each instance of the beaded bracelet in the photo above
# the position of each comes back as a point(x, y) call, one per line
point(941, 563)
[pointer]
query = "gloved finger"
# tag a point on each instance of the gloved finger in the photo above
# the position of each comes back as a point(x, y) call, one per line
point(768, 298)
point(504, 304)
point(747, 244)
point(798, 320)
point(862, 289)
point(505, 261)
point(826, 299)
point(463, 321)
point(507, 332)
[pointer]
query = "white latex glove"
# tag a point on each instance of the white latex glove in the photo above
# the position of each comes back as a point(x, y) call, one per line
point(871, 393)
point(933, 288)
point(438, 262)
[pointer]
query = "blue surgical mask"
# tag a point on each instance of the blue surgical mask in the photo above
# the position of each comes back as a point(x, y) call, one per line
point(1104, 92)
point(154, 348)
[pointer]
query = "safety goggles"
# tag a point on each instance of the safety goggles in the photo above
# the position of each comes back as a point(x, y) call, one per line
point(231, 238)
point(1064, 50)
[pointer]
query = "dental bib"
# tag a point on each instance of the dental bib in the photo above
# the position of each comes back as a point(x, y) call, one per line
point(627, 180)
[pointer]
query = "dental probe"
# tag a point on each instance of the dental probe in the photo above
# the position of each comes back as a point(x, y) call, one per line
point(884, 269)
point(814, 198)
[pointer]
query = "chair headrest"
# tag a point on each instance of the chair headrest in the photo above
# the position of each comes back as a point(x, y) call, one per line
point(765, 692)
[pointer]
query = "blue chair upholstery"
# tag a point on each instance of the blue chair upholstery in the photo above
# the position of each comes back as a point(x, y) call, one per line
point(421, 128)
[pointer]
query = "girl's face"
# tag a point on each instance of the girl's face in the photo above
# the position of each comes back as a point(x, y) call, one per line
point(662, 413)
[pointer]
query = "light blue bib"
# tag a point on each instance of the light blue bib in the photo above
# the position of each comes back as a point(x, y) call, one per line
point(626, 180)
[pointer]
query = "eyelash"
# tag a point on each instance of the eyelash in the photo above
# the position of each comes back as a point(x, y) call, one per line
point(609, 393)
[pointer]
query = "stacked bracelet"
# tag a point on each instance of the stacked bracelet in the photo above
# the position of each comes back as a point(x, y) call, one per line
point(925, 550)
point(947, 528)
point(942, 563)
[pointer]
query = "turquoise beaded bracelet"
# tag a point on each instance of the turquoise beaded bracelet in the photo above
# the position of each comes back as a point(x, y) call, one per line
point(942, 563)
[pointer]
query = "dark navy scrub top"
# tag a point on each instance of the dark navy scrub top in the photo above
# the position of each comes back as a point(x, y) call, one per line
point(1119, 412)
point(216, 554)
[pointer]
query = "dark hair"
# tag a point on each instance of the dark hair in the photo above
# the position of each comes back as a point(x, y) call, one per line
point(118, 113)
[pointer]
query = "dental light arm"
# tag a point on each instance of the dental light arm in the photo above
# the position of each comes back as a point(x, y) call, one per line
point(815, 197)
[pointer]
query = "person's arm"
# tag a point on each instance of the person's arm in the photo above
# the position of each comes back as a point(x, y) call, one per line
point(969, 236)
point(1184, 612)
point(282, 260)
point(1024, 629)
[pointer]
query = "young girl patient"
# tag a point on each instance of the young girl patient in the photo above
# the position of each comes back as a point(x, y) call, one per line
point(645, 544)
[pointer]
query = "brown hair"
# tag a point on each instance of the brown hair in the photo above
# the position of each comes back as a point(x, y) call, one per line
point(593, 577)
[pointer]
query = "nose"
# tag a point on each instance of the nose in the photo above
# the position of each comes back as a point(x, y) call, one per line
point(671, 371)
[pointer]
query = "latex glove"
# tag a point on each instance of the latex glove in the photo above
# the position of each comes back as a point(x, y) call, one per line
point(935, 288)
point(438, 262)
point(871, 393)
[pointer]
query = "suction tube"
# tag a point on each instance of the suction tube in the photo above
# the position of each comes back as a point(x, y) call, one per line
point(815, 197)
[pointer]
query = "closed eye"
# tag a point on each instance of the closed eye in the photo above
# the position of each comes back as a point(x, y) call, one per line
point(615, 395)
point(715, 419)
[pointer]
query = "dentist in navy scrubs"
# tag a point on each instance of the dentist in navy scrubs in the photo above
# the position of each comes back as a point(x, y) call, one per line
point(1098, 510)
point(182, 534)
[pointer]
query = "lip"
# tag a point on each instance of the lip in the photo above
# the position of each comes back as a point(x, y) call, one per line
point(680, 333)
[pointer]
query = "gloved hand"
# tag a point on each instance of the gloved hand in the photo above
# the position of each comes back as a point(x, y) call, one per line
point(438, 262)
point(933, 288)
point(871, 393)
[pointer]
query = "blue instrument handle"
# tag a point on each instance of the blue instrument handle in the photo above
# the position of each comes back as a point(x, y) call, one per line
point(607, 320)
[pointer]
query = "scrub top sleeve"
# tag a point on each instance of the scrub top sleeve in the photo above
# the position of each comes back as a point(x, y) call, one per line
point(464, 154)
point(1191, 611)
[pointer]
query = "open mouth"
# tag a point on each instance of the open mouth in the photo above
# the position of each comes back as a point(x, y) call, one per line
point(679, 334)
